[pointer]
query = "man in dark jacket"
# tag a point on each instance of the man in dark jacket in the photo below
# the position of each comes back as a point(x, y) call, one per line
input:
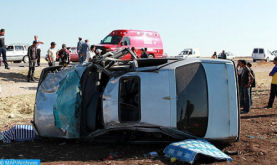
point(84, 50)
point(3, 48)
point(32, 54)
point(246, 81)
point(79, 46)
point(253, 85)
point(63, 56)
point(143, 53)
point(223, 55)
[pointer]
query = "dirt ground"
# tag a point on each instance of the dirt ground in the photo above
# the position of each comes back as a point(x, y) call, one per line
point(257, 145)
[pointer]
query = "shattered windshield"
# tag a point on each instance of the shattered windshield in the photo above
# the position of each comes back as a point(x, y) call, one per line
point(111, 39)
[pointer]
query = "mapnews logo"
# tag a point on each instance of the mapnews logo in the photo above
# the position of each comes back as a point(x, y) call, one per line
point(19, 161)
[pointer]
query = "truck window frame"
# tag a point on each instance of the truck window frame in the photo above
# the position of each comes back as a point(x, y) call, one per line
point(119, 99)
point(128, 41)
point(206, 116)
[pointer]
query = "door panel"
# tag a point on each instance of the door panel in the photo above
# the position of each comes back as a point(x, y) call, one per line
point(223, 103)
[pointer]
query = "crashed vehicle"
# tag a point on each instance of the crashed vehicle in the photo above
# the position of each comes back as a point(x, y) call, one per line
point(140, 100)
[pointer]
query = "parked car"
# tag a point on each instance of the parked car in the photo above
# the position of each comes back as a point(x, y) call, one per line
point(189, 53)
point(132, 100)
point(133, 38)
point(274, 52)
point(262, 54)
point(229, 56)
point(73, 54)
point(17, 53)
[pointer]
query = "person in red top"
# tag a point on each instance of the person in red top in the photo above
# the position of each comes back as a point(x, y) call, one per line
point(63, 56)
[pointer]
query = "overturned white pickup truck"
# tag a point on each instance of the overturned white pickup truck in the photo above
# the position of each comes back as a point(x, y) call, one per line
point(140, 100)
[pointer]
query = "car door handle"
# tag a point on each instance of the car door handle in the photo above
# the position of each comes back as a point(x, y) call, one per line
point(167, 98)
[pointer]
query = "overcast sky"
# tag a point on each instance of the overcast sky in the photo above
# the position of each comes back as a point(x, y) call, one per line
point(210, 25)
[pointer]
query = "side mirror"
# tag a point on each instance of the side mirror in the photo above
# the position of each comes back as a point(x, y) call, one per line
point(122, 43)
point(101, 41)
point(125, 43)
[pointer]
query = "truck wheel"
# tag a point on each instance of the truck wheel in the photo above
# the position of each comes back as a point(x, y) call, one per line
point(151, 56)
point(25, 59)
point(254, 60)
point(267, 59)
point(17, 62)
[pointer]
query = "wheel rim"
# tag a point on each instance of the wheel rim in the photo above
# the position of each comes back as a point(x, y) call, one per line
point(150, 56)
point(25, 59)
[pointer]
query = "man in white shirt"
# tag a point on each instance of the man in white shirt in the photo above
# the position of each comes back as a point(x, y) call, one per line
point(38, 49)
point(52, 54)
point(90, 53)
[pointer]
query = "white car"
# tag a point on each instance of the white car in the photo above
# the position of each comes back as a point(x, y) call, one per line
point(189, 53)
point(229, 56)
point(274, 52)
point(154, 99)
point(17, 53)
point(262, 54)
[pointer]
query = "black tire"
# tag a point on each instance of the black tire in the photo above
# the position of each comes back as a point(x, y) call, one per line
point(151, 56)
point(254, 60)
point(17, 62)
point(25, 59)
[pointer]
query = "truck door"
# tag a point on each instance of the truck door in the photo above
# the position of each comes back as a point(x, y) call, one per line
point(223, 101)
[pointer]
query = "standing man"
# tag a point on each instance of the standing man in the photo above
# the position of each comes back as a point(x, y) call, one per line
point(38, 49)
point(84, 50)
point(239, 72)
point(253, 85)
point(143, 53)
point(52, 54)
point(79, 46)
point(63, 56)
point(134, 52)
point(32, 54)
point(223, 55)
point(246, 81)
point(273, 89)
point(3, 48)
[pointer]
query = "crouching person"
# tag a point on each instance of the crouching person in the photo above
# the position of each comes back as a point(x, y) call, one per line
point(63, 56)
point(32, 54)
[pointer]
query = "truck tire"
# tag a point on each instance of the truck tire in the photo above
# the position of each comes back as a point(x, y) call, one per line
point(25, 59)
point(17, 62)
point(151, 56)
point(254, 60)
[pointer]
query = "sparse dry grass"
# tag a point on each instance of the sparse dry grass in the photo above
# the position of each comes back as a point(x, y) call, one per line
point(21, 107)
